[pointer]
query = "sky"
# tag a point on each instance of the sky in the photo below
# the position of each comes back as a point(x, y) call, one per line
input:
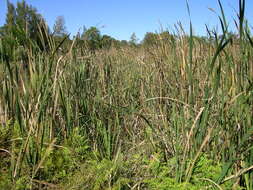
point(120, 18)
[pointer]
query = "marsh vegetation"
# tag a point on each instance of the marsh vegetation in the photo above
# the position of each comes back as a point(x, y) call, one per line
point(92, 112)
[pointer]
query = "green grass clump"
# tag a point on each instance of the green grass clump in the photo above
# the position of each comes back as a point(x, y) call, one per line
point(204, 176)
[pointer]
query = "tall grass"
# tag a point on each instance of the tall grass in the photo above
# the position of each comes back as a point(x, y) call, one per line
point(176, 102)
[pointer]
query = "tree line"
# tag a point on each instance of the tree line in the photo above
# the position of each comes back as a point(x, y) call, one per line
point(23, 23)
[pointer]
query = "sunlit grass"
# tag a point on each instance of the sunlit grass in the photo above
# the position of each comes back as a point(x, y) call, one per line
point(135, 113)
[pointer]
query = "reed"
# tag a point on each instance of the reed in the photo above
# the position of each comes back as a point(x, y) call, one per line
point(136, 112)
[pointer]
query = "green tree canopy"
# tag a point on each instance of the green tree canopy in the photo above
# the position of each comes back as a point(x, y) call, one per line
point(93, 37)
point(133, 39)
point(107, 41)
point(24, 27)
point(150, 39)
point(10, 18)
point(59, 28)
point(23, 22)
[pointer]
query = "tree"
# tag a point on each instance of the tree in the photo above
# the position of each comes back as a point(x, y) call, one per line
point(2, 31)
point(150, 39)
point(28, 20)
point(59, 28)
point(24, 27)
point(93, 38)
point(107, 41)
point(133, 39)
point(84, 29)
point(10, 17)
point(165, 36)
point(123, 43)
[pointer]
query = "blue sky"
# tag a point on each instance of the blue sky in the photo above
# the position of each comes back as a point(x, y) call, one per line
point(120, 18)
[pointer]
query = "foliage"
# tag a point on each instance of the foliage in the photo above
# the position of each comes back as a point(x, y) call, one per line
point(93, 37)
point(133, 39)
point(23, 26)
point(107, 41)
point(101, 175)
point(205, 174)
point(150, 38)
point(59, 28)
